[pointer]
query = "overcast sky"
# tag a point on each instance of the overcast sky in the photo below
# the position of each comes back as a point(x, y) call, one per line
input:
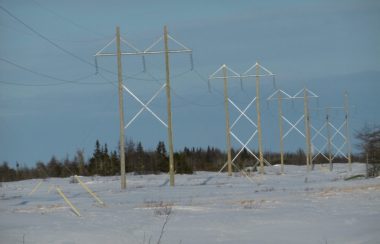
point(53, 103)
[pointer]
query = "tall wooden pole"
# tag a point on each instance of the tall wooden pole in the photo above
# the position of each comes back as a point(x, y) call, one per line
point(169, 110)
point(307, 130)
point(366, 164)
point(347, 131)
point(228, 134)
point(329, 147)
point(259, 135)
point(123, 180)
point(281, 131)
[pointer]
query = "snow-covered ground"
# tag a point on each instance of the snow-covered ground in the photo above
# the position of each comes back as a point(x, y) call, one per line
point(320, 207)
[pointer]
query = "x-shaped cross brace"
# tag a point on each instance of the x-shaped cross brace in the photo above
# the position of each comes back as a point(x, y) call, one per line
point(244, 145)
point(319, 133)
point(338, 149)
point(293, 126)
point(243, 113)
point(145, 106)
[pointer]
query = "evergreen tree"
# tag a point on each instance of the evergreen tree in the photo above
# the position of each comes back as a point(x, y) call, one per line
point(41, 170)
point(79, 159)
point(140, 167)
point(130, 156)
point(105, 161)
point(6, 173)
point(161, 157)
point(95, 160)
point(54, 167)
point(115, 163)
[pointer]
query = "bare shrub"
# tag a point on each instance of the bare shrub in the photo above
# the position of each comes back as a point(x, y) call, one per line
point(163, 209)
point(252, 204)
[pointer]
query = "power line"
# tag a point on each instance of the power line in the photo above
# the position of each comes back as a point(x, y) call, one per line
point(194, 103)
point(53, 43)
point(29, 34)
point(62, 81)
point(17, 83)
point(45, 38)
point(69, 53)
point(60, 47)
point(29, 83)
point(68, 20)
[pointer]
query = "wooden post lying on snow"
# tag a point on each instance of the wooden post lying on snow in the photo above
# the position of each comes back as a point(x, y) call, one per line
point(35, 188)
point(89, 191)
point(75, 210)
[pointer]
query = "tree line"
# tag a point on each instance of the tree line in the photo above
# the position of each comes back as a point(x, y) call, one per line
point(106, 162)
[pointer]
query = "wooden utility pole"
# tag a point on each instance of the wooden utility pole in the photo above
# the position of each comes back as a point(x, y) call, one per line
point(169, 110)
point(259, 134)
point(347, 132)
point(307, 130)
point(281, 131)
point(123, 180)
point(366, 165)
point(228, 134)
point(329, 147)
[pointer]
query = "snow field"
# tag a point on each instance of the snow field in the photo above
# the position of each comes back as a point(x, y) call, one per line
point(207, 207)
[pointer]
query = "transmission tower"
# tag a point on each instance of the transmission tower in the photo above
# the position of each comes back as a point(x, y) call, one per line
point(229, 73)
point(304, 94)
point(149, 51)
point(334, 148)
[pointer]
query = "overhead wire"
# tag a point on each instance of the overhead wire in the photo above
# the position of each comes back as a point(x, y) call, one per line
point(67, 19)
point(44, 37)
point(62, 81)
point(67, 51)
point(19, 83)
point(53, 44)
point(89, 130)
point(87, 62)
point(73, 55)
point(175, 93)
point(29, 34)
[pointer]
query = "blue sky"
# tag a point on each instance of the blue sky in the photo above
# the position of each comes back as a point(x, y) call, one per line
point(329, 46)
